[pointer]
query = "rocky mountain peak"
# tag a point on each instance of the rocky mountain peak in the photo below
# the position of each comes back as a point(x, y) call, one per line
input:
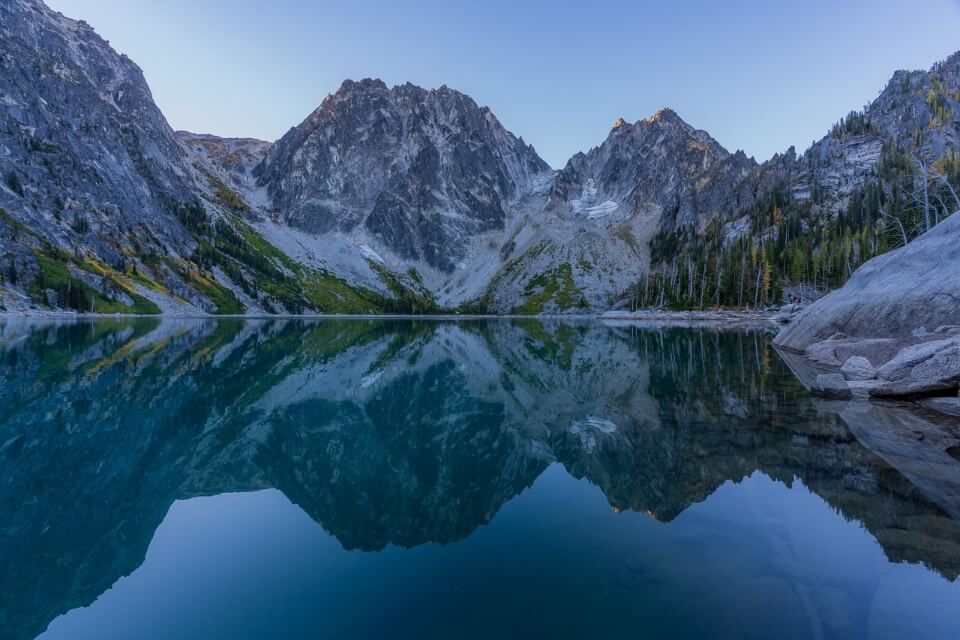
point(658, 163)
point(364, 84)
point(404, 176)
point(91, 154)
point(666, 115)
point(663, 118)
point(421, 171)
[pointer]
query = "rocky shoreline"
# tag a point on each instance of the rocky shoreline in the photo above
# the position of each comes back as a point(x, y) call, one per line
point(724, 316)
point(922, 366)
point(892, 332)
point(717, 315)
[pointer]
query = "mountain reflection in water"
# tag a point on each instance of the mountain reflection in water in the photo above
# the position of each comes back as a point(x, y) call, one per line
point(400, 433)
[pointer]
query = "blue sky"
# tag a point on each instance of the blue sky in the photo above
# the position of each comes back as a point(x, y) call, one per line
point(758, 75)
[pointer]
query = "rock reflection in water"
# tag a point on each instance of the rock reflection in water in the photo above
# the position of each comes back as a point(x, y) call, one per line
point(404, 433)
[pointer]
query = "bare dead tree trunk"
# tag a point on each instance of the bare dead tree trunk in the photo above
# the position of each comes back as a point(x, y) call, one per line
point(719, 274)
point(945, 182)
point(936, 211)
point(743, 265)
point(756, 295)
point(903, 232)
point(703, 281)
point(926, 192)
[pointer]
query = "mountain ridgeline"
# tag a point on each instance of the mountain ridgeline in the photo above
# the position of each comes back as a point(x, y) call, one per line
point(412, 200)
point(418, 171)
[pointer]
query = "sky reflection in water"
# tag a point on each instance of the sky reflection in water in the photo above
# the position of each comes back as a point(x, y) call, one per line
point(437, 479)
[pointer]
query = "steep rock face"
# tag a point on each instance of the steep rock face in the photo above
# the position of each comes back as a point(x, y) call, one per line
point(924, 101)
point(591, 239)
point(85, 155)
point(233, 159)
point(917, 111)
point(657, 164)
point(420, 171)
point(96, 192)
point(386, 191)
point(103, 208)
point(892, 295)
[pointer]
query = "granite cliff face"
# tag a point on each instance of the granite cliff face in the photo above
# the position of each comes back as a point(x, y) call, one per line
point(913, 288)
point(660, 166)
point(420, 172)
point(917, 112)
point(403, 199)
point(86, 157)
point(233, 159)
point(590, 238)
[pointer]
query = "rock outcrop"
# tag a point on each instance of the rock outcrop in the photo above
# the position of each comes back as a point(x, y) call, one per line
point(937, 374)
point(400, 198)
point(233, 159)
point(858, 368)
point(877, 328)
point(421, 171)
point(86, 157)
point(893, 295)
point(832, 385)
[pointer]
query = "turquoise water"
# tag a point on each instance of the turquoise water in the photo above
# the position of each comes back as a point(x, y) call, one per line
point(439, 479)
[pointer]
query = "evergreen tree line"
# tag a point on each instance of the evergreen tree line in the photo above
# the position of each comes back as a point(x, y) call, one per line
point(788, 245)
point(70, 293)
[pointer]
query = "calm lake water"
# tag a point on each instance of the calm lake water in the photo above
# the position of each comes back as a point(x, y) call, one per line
point(435, 479)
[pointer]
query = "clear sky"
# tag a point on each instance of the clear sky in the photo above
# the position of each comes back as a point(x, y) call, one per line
point(759, 75)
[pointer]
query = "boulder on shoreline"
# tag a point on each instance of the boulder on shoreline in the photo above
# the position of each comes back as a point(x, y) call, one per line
point(876, 329)
point(913, 388)
point(938, 374)
point(858, 368)
point(838, 348)
point(833, 386)
point(890, 296)
point(900, 366)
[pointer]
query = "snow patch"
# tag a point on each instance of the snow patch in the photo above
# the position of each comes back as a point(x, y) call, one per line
point(542, 183)
point(368, 252)
point(587, 196)
point(369, 380)
point(601, 210)
point(588, 430)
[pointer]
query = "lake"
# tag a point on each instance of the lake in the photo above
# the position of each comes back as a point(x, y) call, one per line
point(456, 479)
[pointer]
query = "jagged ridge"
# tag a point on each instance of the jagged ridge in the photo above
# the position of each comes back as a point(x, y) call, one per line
point(411, 199)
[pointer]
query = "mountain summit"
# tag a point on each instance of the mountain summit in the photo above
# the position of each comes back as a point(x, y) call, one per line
point(420, 171)
point(408, 199)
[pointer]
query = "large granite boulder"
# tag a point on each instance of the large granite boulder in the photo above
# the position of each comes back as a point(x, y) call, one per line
point(858, 368)
point(832, 385)
point(937, 375)
point(901, 365)
point(915, 286)
point(838, 348)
